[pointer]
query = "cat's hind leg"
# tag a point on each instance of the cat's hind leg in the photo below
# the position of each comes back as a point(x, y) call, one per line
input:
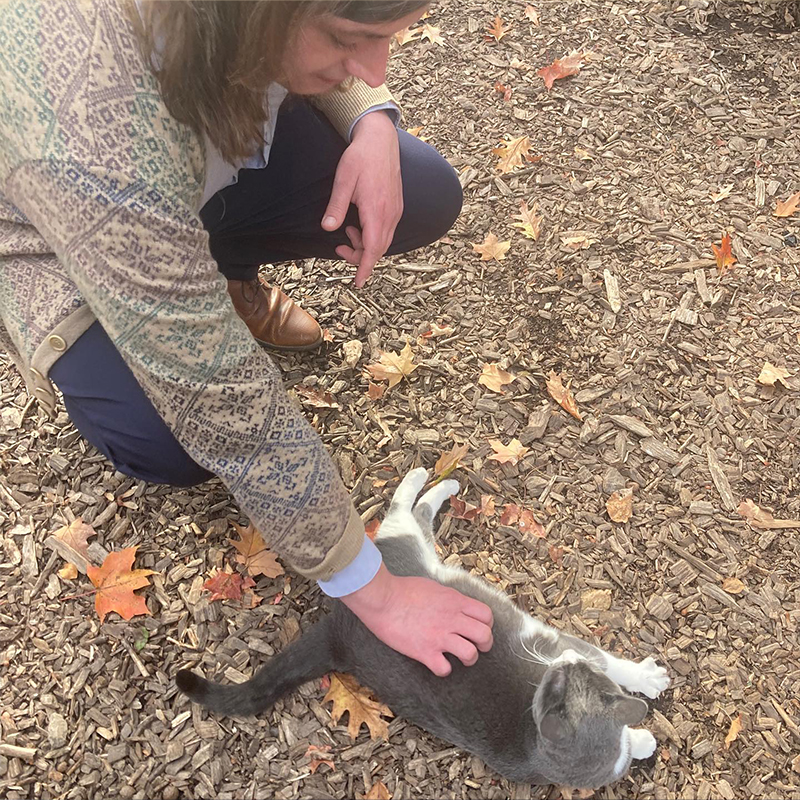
point(406, 493)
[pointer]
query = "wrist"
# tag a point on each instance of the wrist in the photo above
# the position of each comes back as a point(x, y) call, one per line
point(373, 597)
point(380, 120)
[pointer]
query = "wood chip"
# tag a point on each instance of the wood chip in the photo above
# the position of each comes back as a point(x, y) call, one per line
point(720, 480)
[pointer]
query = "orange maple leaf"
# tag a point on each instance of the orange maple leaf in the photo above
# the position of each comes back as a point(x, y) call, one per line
point(512, 153)
point(348, 696)
point(254, 554)
point(492, 248)
point(724, 255)
point(497, 30)
point(507, 453)
point(562, 395)
point(116, 582)
point(789, 207)
point(225, 585)
point(561, 68)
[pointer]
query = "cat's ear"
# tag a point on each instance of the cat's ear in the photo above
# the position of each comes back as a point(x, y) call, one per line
point(552, 724)
point(553, 727)
point(629, 710)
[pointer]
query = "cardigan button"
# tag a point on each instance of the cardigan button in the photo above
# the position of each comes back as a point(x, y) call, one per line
point(57, 342)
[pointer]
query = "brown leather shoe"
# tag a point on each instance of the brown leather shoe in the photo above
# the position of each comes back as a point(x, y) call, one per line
point(274, 320)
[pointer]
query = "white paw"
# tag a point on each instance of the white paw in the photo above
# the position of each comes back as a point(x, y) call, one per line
point(643, 743)
point(648, 678)
point(438, 494)
point(406, 493)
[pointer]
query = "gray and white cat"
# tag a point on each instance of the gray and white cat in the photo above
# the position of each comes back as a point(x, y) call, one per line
point(539, 707)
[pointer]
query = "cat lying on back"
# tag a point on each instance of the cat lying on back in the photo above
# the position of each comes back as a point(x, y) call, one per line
point(539, 707)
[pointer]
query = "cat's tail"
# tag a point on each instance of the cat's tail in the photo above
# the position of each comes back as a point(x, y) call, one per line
point(306, 658)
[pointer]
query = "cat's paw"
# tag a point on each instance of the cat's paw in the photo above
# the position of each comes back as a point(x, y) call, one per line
point(648, 678)
point(406, 493)
point(643, 743)
point(435, 496)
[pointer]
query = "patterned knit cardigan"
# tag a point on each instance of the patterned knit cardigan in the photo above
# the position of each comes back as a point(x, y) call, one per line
point(99, 196)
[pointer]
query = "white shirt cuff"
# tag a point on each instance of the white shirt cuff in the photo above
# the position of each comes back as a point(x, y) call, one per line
point(387, 106)
point(357, 574)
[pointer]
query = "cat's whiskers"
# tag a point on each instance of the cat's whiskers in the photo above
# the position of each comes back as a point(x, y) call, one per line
point(536, 656)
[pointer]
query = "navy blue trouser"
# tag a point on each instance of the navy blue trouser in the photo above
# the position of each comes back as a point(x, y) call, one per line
point(270, 215)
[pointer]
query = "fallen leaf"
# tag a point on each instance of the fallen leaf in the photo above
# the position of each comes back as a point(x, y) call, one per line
point(447, 462)
point(316, 756)
point(492, 248)
point(620, 505)
point(316, 397)
point(141, 640)
point(507, 453)
point(224, 585)
point(487, 505)
point(513, 153)
point(371, 528)
point(348, 696)
point(495, 378)
point(432, 34)
point(352, 352)
point(555, 553)
point(733, 586)
point(724, 255)
point(770, 374)
point(415, 131)
point(561, 68)
point(393, 367)
point(327, 336)
point(759, 518)
point(510, 514)
point(68, 572)
point(116, 582)
point(254, 555)
point(562, 395)
point(438, 330)
point(724, 192)
point(529, 524)
point(460, 509)
point(375, 391)
point(75, 535)
point(529, 221)
point(498, 29)
point(504, 91)
point(532, 14)
point(788, 207)
point(378, 792)
point(733, 731)
point(407, 35)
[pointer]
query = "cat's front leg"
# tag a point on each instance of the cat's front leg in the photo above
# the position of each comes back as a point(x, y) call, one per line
point(645, 676)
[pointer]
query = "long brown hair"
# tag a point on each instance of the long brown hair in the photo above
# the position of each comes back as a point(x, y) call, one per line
point(215, 58)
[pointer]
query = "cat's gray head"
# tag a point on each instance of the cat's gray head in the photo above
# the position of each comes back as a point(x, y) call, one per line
point(582, 718)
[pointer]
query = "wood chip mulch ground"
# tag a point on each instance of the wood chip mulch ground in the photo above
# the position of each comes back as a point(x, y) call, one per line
point(681, 126)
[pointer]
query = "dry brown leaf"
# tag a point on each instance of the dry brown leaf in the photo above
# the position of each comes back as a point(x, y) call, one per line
point(770, 374)
point(487, 505)
point(318, 756)
point(375, 391)
point(532, 14)
point(620, 505)
point(788, 207)
point(497, 30)
point(460, 509)
point(438, 330)
point(352, 352)
point(348, 696)
point(254, 555)
point(509, 453)
point(759, 518)
point(372, 527)
point(513, 153)
point(733, 586)
point(75, 535)
point(562, 395)
point(529, 524)
point(407, 35)
point(318, 398)
point(504, 91)
point(561, 68)
point(393, 367)
point(733, 731)
point(447, 462)
point(415, 131)
point(492, 248)
point(68, 572)
point(495, 378)
point(378, 792)
point(432, 34)
point(224, 585)
point(529, 221)
point(724, 255)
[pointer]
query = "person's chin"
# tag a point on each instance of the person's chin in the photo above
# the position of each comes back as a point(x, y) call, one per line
point(312, 85)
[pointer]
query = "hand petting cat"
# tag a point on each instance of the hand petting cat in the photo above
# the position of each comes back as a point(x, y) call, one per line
point(423, 620)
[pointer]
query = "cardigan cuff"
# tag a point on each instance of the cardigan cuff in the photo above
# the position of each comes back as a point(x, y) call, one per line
point(343, 105)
